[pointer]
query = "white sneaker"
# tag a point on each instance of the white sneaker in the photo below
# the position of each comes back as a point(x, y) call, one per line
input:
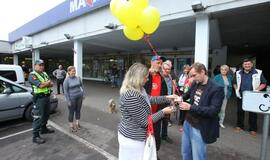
point(221, 125)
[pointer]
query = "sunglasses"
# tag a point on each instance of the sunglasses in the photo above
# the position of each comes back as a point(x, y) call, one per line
point(158, 62)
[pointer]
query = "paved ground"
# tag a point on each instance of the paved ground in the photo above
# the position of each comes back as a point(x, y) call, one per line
point(98, 137)
point(58, 146)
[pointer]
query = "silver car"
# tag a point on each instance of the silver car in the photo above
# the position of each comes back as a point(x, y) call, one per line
point(16, 101)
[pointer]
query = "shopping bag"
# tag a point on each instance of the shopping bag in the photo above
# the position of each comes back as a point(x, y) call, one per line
point(150, 152)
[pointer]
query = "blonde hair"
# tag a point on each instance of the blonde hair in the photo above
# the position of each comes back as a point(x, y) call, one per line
point(69, 69)
point(225, 67)
point(134, 78)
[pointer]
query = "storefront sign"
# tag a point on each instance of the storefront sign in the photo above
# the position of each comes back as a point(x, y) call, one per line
point(65, 11)
point(25, 42)
point(75, 5)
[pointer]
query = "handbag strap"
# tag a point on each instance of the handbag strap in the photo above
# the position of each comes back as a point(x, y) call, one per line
point(150, 126)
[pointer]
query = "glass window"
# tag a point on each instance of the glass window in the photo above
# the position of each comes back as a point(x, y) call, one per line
point(17, 89)
point(2, 86)
point(9, 75)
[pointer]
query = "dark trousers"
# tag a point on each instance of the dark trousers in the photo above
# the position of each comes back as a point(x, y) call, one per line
point(157, 127)
point(252, 119)
point(59, 82)
point(182, 116)
point(75, 108)
point(41, 113)
point(164, 126)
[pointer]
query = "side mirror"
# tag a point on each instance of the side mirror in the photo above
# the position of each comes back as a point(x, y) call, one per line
point(7, 91)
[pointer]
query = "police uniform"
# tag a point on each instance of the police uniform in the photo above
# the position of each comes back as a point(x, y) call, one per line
point(41, 100)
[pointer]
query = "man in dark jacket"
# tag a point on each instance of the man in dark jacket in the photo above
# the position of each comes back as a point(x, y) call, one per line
point(201, 125)
point(156, 86)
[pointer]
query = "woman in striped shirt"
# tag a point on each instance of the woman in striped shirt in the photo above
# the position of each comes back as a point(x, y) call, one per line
point(135, 109)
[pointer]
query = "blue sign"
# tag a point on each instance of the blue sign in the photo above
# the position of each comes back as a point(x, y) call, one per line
point(63, 12)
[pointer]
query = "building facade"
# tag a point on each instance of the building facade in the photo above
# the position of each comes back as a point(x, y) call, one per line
point(75, 33)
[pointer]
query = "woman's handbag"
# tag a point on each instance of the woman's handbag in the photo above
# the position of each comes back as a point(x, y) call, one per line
point(150, 152)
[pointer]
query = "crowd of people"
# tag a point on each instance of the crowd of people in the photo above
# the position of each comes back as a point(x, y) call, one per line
point(156, 92)
point(202, 105)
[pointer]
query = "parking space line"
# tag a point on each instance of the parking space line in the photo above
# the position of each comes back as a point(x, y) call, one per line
point(83, 141)
point(15, 134)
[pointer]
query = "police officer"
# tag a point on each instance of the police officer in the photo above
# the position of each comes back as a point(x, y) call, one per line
point(41, 84)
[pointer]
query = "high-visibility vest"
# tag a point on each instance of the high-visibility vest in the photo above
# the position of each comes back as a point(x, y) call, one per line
point(43, 78)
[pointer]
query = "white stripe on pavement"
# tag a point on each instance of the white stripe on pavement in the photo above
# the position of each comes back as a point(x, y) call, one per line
point(85, 142)
point(15, 134)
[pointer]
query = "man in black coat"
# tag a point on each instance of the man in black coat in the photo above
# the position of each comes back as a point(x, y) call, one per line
point(201, 125)
point(156, 86)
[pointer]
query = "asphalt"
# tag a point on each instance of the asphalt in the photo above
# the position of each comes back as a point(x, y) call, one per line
point(58, 146)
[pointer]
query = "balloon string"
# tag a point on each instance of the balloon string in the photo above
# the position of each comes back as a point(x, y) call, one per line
point(147, 40)
point(154, 51)
point(175, 86)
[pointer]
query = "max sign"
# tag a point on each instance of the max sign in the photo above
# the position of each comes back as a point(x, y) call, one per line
point(78, 4)
point(256, 102)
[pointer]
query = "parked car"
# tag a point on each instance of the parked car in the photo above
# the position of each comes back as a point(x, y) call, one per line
point(16, 100)
point(12, 72)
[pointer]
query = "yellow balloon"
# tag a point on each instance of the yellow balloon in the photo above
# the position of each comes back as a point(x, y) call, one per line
point(113, 6)
point(141, 4)
point(149, 20)
point(133, 34)
point(128, 14)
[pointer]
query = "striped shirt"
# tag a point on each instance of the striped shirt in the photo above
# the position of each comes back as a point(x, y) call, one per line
point(135, 110)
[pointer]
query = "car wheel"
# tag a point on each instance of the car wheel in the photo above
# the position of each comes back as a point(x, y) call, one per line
point(28, 113)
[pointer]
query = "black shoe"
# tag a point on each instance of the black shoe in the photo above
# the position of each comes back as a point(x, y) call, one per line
point(46, 131)
point(38, 140)
point(168, 140)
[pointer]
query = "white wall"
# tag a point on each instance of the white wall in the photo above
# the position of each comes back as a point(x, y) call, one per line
point(93, 23)
point(5, 47)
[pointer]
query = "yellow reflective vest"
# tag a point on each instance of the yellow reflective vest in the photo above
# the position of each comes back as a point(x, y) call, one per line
point(43, 78)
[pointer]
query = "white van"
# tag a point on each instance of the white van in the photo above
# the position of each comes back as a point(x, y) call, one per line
point(12, 72)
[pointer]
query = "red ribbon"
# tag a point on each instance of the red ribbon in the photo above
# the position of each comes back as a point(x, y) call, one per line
point(150, 126)
point(154, 52)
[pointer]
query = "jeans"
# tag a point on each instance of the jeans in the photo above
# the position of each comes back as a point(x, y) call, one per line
point(114, 81)
point(193, 146)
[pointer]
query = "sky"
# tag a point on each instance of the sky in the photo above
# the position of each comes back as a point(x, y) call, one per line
point(15, 13)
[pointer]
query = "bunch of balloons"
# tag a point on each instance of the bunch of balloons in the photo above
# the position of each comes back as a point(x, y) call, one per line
point(137, 17)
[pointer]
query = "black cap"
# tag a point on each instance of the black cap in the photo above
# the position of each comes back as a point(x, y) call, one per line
point(163, 59)
point(39, 61)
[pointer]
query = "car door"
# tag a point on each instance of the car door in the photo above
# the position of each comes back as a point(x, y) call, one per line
point(11, 104)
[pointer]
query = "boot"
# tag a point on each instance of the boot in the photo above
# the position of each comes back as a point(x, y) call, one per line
point(46, 130)
point(37, 139)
